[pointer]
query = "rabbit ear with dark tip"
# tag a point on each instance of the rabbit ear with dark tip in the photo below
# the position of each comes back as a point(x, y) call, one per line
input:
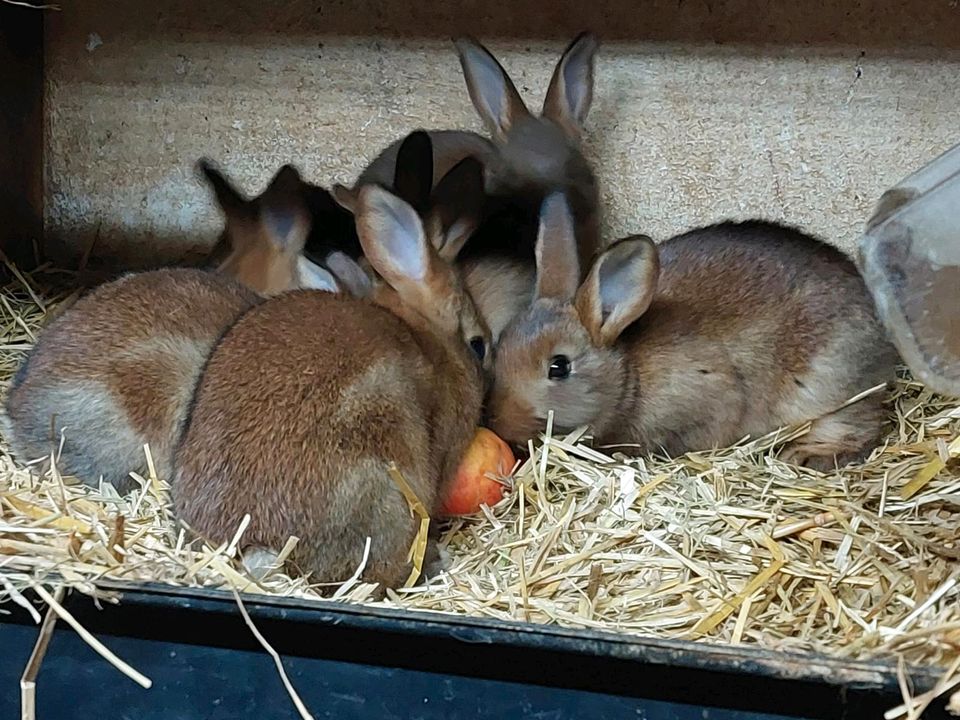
point(619, 288)
point(456, 207)
point(413, 176)
point(283, 211)
point(571, 88)
point(231, 201)
point(493, 93)
point(558, 269)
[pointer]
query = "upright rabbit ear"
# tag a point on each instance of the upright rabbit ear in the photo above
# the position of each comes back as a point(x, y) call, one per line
point(571, 88)
point(491, 90)
point(558, 270)
point(393, 238)
point(345, 197)
point(283, 212)
point(413, 176)
point(231, 201)
point(315, 277)
point(619, 288)
point(349, 274)
point(457, 205)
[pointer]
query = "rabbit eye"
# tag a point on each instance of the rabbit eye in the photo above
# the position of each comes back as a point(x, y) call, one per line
point(479, 347)
point(559, 367)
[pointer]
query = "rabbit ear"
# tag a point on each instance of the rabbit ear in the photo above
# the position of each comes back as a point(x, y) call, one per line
point(413, 177)
point(558, 270)
point(393, 238)
point(315, 277)
point(349, 274)
point(491, 90)
point(345, 197)
point(457, 205)
point(231, 201)
point(571, 88)
point(283, 212)
point(619, 288)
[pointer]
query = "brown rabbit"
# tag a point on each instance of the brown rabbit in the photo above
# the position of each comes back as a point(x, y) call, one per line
point(531, 155)
point(727, 331)
point(116, 370)
point(449, 148)
point(262, 244)
point(310, 397)
point(501, 288)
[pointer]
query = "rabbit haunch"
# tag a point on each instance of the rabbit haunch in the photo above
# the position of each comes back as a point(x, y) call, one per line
point(116, 369)
point(310, 397)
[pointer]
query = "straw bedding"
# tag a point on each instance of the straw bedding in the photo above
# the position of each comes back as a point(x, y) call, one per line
point(729, 546)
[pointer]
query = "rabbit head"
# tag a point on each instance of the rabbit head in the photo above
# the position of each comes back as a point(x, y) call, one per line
point(444, 216)
point(561, 353)
point(415, 279)
point(263, 238)
point(537, 153)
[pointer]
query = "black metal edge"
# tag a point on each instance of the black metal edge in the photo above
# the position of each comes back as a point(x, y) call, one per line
point(709, 657)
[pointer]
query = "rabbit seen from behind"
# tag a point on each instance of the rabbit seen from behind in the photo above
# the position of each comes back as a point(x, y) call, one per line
point(310, 397)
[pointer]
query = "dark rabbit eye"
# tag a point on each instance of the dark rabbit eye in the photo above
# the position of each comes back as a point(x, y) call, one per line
point(479, 347)
point(559, 367)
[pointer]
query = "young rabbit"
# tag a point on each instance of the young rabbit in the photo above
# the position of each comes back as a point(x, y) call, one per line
point(530, 156)
point(116, 370)
point(310, 397)
point(537, 155)
point(264, 238)
point(500, 286)
point(727, 331)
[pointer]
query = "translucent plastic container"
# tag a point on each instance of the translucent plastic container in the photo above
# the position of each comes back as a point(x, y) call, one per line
point(910, 258)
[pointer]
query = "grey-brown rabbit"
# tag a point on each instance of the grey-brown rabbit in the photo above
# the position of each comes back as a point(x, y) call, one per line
point(530, 156)
point(500, 286)
point(262, 244)
point(722, 332)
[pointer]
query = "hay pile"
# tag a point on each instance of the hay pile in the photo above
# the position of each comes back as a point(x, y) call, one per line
point(730, 546)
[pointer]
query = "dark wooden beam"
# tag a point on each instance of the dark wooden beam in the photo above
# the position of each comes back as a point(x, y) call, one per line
point(21, 132)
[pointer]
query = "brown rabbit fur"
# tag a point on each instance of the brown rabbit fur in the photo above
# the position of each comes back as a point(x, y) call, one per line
point(117, 368)
point(537, 155)
point(309, 397)
point(500, 286)
point(531, 155)
point(726, 331)
point(116, 371)
point(263, 240)
point(449, 148)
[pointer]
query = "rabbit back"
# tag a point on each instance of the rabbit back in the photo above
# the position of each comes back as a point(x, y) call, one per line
point(297, 426)
point(117, 370)
point(755, 325)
